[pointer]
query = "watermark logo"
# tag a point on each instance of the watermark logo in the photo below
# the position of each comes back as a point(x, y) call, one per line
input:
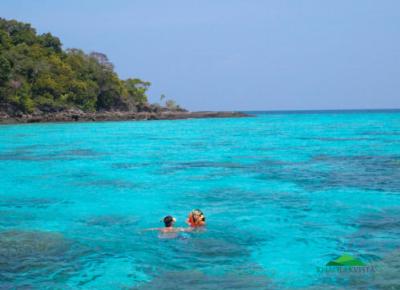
point(346, 260)
point(346, 264)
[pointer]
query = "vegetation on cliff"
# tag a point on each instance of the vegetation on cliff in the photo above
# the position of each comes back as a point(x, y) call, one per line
point(37, 75)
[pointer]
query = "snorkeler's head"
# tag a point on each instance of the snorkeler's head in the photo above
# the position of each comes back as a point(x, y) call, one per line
point(198, 214)
point(196, 218)
point(169, 221)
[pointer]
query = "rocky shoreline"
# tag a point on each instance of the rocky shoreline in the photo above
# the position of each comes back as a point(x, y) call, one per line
point(79, 116)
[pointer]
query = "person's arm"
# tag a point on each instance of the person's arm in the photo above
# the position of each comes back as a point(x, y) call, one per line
point(151, 229)
point(181, 229)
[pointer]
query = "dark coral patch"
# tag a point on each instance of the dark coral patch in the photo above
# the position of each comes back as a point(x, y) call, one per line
point(194, 280)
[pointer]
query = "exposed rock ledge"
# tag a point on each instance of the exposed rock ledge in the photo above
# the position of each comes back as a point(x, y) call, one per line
point(76, 115)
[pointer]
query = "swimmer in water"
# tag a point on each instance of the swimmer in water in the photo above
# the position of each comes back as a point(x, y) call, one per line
point(169, 228)
point(169, 222)
point(196, 219)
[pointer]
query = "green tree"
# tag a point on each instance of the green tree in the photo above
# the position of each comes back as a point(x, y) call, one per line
point(5, 69)
point(5, 40)
point(20, 96)
point(137, 90)
point(19, 32)
point(51, 42)
point(37, 74)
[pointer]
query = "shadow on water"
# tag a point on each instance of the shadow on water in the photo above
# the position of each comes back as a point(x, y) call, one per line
point(388, 269)
point(380, 173)
point(383, 274)
point(195, 251)
point(111, 221)
point(227, 198)
point(382, 133)
point(131, 165)
point(336, 139)
point(184, 280)
point(202, 164)
point(10, 218)
point(209, 169)
point(215, 251)
point(371, 228)
point(38, 257)
point(380, 254)
point(231, 197)
point(28, 154)
point(36, 203)
point(120, 184)
point(234, 202)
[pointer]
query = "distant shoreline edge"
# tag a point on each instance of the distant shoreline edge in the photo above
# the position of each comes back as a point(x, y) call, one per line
point(61, 117)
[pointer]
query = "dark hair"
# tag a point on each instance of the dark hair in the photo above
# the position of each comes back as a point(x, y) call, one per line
point(168, 221)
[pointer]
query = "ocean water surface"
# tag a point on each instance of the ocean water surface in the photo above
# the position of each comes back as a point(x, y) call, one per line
point(283, 194)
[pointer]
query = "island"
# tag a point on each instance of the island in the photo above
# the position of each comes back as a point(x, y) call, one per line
point(42, 82)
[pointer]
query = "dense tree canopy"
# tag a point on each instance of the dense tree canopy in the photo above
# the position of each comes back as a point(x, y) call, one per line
point(36, 74)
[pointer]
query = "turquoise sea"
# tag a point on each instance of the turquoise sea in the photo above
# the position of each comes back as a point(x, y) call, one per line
point(283, 193)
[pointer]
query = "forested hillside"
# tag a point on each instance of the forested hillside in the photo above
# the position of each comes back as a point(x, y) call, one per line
point(37, 75)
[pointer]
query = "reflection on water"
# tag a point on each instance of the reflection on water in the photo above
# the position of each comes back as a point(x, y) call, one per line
point(283, 194)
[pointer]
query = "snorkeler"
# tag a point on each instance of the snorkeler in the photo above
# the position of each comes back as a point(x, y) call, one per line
point(169, 222)
point(196, 219)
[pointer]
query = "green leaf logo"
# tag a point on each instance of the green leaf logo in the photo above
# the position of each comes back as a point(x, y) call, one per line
point(346, 260)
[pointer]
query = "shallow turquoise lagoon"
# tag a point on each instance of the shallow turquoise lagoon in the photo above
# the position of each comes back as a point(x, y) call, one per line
point(284, 194)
